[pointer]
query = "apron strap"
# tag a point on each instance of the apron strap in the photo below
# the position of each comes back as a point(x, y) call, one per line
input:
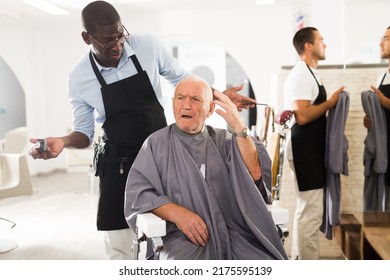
point(313, 75)
point(384, 76)
point(136, 63)
point(96, 70)
point(99, 75)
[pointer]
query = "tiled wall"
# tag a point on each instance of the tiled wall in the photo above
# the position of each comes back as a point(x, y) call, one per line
point(356, 79)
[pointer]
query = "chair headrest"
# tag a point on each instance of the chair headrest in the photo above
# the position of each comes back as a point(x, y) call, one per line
point(283, 117)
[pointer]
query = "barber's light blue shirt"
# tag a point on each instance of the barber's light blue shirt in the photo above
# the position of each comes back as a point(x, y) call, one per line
point(84, 88)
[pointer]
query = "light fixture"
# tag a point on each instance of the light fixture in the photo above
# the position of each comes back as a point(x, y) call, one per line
point(265, 2)
point(46, 6)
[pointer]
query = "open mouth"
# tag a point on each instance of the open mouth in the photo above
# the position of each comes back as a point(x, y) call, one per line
point(186, 117)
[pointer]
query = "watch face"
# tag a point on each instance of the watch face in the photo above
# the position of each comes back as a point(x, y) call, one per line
point(246, 132)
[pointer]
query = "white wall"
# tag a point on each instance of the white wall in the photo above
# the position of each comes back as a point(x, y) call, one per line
point(256, 39)
point(42, 51)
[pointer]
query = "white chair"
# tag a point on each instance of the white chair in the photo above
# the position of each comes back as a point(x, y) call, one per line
point(153, 228)
point(280, 217)
point(15, 181)
point(82, 159)
point(15, 176)
point(276, 146)
point(15, 141)
point(149, 226)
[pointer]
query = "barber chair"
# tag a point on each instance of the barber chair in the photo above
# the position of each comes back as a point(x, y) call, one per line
point(275, 144)
point(15, 181)
point(151, 228)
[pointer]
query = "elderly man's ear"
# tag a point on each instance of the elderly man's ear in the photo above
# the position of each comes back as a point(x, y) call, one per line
point(212, 108)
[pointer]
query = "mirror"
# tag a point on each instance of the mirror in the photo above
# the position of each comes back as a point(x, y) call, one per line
point(212, 63)
point(12, 100)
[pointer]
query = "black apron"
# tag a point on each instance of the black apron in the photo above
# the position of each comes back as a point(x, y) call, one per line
point(385, 89)
point(308, 147)
point(132, 114)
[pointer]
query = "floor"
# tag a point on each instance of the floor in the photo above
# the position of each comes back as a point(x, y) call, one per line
point(57, 222)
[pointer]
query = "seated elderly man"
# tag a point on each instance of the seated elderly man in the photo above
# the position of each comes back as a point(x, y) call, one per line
point(207, 183)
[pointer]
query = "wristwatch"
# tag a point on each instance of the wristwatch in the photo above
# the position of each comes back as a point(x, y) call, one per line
point(244, 133)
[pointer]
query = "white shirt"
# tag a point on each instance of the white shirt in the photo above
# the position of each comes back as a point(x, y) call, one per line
point(386, 81)
point(300, 85)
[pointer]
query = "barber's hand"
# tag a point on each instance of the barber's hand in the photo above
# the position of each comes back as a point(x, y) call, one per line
point(335, 97)
point(380, 94)
point(192, 226)
point(229, 112)
point(367, 122)
point(241, 102)
point(54, 147)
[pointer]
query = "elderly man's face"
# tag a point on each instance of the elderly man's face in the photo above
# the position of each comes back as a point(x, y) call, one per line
point(191, 106)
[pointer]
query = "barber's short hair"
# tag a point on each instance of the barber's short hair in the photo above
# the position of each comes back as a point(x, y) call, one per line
point(303, 36)
point(99, 13)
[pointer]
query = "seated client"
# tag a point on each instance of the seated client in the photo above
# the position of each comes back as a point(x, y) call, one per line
point(210, 185)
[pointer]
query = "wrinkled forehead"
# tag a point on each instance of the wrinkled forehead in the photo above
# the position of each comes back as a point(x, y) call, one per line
point(186, 88)
point(194, 88)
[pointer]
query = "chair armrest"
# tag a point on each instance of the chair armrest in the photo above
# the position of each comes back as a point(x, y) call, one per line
point(279, 215)
point(150, 225)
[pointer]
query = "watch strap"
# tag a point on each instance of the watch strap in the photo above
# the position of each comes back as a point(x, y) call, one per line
point(244, 133)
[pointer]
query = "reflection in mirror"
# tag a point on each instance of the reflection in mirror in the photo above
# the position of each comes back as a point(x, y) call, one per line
point(12, 100)
point(362, 38)
point(212, 63)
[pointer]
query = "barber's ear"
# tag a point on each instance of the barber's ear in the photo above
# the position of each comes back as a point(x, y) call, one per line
point(86, 38)
point(308, 46)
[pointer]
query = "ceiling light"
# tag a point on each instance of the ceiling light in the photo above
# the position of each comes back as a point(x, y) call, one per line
point(46, 6)
point(265, 2)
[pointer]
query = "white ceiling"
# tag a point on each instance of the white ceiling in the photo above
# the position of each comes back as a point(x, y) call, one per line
point(17, 9)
